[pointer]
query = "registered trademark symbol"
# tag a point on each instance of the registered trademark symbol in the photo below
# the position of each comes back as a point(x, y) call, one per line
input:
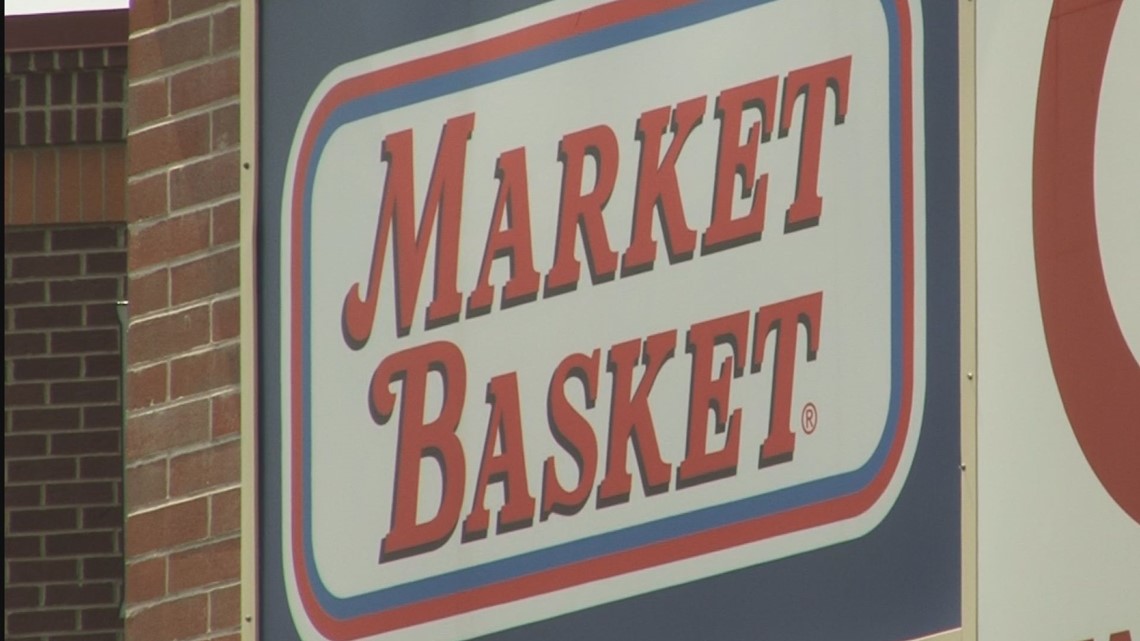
point(809, 418)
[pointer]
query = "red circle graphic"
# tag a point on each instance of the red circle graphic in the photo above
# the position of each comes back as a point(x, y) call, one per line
point(1097, 376)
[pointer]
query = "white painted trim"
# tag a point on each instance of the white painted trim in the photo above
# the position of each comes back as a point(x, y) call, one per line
point(249, 431)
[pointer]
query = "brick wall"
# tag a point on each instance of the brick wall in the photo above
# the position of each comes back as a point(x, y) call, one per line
point(183, 471)
point(63, 97)
point(64, 112)
point(63, 561)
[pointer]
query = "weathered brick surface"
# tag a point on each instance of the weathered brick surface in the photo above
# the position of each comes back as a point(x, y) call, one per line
point(182, 436)
point(65, 184)
point(62, 431)
point(64, 97)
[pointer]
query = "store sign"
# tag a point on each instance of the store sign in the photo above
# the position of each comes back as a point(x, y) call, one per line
point(1058, 320)
point(592, 300)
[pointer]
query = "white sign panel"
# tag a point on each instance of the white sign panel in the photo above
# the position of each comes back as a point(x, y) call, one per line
point(591, 300)
point(1058, 326)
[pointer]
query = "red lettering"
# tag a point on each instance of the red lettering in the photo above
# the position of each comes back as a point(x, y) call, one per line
point(706, 392)
point(419, 439)
point(409, 251)
point(630, 419)
point(784, 319)
point(735, 159)
point(514, 242)
point(509, 467)
point(573, 432)
point(812, 83)
point(583, 211)
point(657, 188)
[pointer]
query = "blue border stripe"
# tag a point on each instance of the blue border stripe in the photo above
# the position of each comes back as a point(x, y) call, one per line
point(648, 533)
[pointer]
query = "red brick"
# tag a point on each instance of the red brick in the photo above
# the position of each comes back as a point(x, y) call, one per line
point(81, 543)
point(41, 266)
point(21, 598)
point(226, 224)
point(24, 394)
point(109, 517)
point(226, 320)
point(101, 467)
point(49, 469)
point(23, 445)
point(35, 133)
point(106, 263)
point(46, 419)
point(84, 289)
point(87, 237)
point(225, 608)
point(111, 124)
point(146, 580)
point(92, 181)
point(145, 14)
point(149, 292)
point(168, 143)
point(60, 84)
point(48, 317)
point(226, 31)
point(49, 520)
point(85, 341)
point(117, 56)
point(24, 242)
point(101, 314)
point(147, 197)
point(39, 621)
point(217, 273)
point(82, 493)
point(204, 84)
point(57, 368)
point(111, 127)
point(147, 387)
point(179, 8)
point(103, 567)
point(85, 392)
point(169, 238)
point(168, 46)
point(167, 429)
point(206, 468)
point(23, 197)
point(80, 594)
point(71, 200)
point(102, 366)
point(41, 571)
point(86, 123)
point(225, 512)
point(210, 370)
point(24, 344)
point(146, 484)
point(204, 180)
point(100, 619)
point(62, 132)
point(226, 415)
point(215, 563)
point(167, 527)
point(170, 620)
point(102, 416)
point(23, 547)
point(167, 335)
point(46, 186)
point(225, 126)
point(22, 495)
point(24, 293)
point(150, 101)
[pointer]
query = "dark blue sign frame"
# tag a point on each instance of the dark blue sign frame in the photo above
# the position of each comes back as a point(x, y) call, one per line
point(901, 581)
